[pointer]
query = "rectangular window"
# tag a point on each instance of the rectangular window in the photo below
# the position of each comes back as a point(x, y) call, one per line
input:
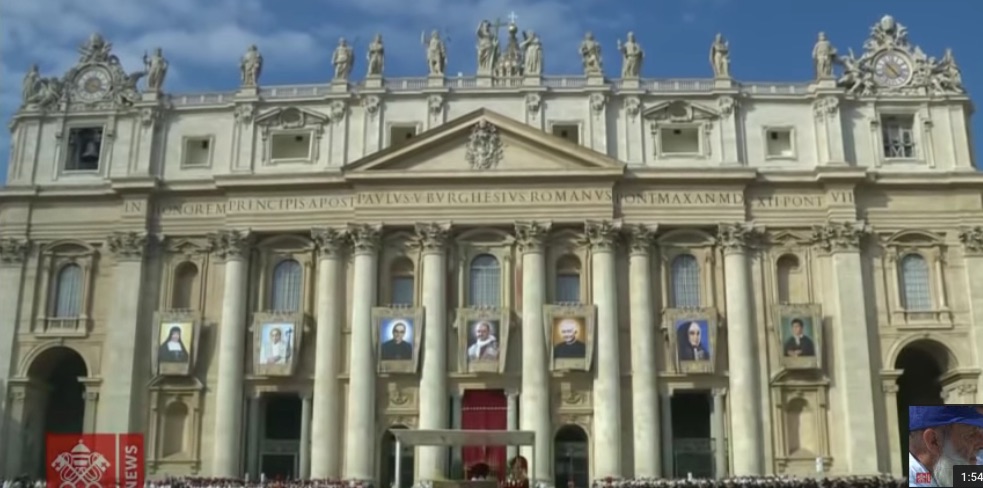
point(680, 140)
point(568, 288)
point(402, 291)
point(197, 152)
point(290, 146)
point(84, 151)
point(778, 143)
point(401, 133)
point(899, 136)
point(570, 132)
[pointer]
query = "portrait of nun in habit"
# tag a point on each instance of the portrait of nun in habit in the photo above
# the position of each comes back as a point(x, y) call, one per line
point(173, 350)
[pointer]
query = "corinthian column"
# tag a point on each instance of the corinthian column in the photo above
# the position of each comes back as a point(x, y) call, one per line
point(326, 432)
point(602, 237)
point(13, 255)
point(745, 386)
point(645, 392)
point(534, 409)
point(360, 436)
point(432, 239)
point(851, 344)
point(121, 405)
point(233, 246)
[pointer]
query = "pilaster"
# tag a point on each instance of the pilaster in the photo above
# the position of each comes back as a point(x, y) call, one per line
point(972, 241)
point(304, 463)
point(13, 255)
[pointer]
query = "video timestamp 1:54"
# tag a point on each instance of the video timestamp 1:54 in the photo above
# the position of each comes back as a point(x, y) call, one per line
point(967, 475)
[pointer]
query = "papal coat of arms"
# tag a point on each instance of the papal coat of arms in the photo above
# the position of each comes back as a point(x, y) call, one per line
point(484, 148)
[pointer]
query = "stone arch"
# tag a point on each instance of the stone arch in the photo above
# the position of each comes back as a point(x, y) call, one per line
point(571, 455)
point(935, 347)
point(922, 363)
point(387, 461)
point(177, 417)
point(488, 235)
point(287, 242)
point(37, 357)
point(70, 246)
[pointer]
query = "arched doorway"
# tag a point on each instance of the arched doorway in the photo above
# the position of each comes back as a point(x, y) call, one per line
point(56, 402)
point(922, 364)
point(388, 460)
point(571, 457)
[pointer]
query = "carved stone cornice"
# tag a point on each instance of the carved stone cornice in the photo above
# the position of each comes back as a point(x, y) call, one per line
point(840, 236)
point(602, 235)
point(231, 244)
point(366, 238)
point(329, 241)
point(431, 237)
point(127, 246)
point(531, 236)
point(640, 238)
point(825, 107)
point(736, 236)
point(13, 251)
point(972, 239)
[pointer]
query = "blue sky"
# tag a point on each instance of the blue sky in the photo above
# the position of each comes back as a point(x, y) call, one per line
point(770, 40)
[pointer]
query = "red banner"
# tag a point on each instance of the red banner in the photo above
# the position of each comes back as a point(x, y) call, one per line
point(95, 460)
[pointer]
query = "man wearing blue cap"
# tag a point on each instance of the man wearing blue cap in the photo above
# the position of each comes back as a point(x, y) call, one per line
point(941, 437)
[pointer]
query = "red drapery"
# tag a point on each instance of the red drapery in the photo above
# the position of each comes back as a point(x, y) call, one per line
point(485, 410)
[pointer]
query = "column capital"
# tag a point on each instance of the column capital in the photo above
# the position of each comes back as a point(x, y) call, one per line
point(231, 244)
point(329, 241)
point(735, 236)
point(366, 238)
point(602, 235)
point(972, 240)
point(13, 250)
point(432, 237)
point(531, 236)
point(840, 236)
point(640, 238)
point(128, 246)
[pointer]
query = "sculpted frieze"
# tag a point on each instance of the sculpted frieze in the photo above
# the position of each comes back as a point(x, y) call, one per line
point(602, 235)
point(640, 238)
point(13, 251)
point(231, 244)
point(840, 236)
point(330, 242)
point(531, 236)
point(128, 245)
point(432, 237)
point(736, 236)
point(972, 239)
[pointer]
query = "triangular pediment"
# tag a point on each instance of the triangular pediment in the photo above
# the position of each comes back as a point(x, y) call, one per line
point(679, 111)
point(485, 142)
point(291, 118)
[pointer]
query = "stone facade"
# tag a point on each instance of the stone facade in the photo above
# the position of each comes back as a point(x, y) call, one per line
point(640, 207)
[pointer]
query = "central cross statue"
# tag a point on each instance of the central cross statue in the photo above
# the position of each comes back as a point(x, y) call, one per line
point(512, 17)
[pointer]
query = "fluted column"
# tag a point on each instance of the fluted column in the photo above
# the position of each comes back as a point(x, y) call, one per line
point(851, 344)
point(326, 419)
point(602, 237)
point(534, 409)
point(233, 246)
point(432, 240)
point(121, 393)
point(13, 255)
point(305, 436)
point(745, 386)
point(645, 393)
point(360, 437)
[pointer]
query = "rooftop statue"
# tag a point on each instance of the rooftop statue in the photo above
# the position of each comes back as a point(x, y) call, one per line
point(343, 60)
point(632, 56)
point(156, 68)
point(532, 50)
point(720, 57)
point(823, 57)
point(590, 55)
point(251, 67)
point(487, 45)
point(436, 54)
point(376, 57)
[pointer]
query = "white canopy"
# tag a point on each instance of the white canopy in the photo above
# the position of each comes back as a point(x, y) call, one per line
point(458, 438)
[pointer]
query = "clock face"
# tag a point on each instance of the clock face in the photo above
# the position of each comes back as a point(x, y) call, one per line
point(92, 85)
point(892, 69)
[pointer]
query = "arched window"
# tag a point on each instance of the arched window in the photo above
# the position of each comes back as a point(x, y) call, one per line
point(401, 282)
point(68, 292)
point(570, 457)
point(185, 277)
point(485, 280)
point(916, 292)
point(287, 287)
point(787, 270)
point(568, 280)
point(684, 282)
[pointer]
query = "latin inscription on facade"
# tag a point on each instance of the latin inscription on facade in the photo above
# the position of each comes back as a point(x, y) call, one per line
point(479, 198)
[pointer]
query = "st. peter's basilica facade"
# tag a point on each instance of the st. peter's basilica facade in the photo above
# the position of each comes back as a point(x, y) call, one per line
point(657, 277)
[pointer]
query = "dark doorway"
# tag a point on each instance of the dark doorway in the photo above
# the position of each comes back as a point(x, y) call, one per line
point(692, 444)
point(571, 461)
point(63, 402)
point(281, 436)
point(388, 460)
point(922, 364)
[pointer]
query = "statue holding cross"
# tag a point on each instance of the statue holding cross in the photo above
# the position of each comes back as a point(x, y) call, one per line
point(487, 45)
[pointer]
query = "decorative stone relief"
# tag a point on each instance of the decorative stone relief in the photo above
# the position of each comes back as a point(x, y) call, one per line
point(127, 245)
point(13, 251)
point(531, 235)
point(972, 239)
point(534, 103)
point(640, 238)
point(435, 104)
point(432, 237)
point(330, 242)
point(572, 397)
point(338, 111)
point(409, 421)
point(825, 107)
point(840, 236)
point(633, 106)
point(371, 104)
point(231, 244)
point(597, 103)
point(573, 419)
point(735, 236)
point(149, 115)
point(602, 235)
point(244, 113)
point(726, 105)
point(484, 149)
point(366, 238)
point(290, 118)
point(398, 398)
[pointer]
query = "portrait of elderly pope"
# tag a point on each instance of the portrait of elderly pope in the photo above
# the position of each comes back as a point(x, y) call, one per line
point(691, 344)
point(275, 350)
point(397, 348)
point(570, 345)
point(940, 437)
point(485, 345)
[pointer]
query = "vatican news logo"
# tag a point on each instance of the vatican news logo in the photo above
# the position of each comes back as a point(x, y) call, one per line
point(923, 477)
point(95, 460)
